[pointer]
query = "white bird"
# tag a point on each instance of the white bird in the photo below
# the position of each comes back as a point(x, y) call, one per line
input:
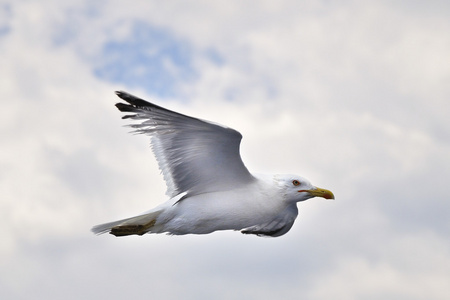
point(209, 187)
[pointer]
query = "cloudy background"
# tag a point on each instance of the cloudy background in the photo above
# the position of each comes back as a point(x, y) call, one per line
point(352, 95)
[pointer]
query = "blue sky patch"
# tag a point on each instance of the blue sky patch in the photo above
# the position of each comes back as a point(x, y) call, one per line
point(150, 58)
point(5, 19)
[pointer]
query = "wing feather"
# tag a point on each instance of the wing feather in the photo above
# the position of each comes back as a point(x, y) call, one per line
point(195, 156)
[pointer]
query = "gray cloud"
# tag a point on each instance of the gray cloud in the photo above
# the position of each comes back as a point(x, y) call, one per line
point(353, 97)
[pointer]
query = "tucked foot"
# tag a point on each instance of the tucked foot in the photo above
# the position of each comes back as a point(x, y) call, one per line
point(138, 229)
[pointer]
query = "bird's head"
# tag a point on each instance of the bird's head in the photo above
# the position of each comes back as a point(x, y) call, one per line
point(298, 189)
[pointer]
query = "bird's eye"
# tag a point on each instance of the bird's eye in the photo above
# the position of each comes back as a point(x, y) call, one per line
point(295, 182)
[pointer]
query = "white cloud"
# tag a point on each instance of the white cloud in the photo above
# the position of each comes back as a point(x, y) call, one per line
point(353, 97)
point(400, 272)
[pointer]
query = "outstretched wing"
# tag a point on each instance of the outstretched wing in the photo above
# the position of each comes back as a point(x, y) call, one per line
point(195, 156)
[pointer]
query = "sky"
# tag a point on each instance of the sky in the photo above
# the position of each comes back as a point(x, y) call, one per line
point(352, 95)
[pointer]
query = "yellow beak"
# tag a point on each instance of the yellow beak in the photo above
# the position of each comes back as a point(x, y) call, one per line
point(318, 192)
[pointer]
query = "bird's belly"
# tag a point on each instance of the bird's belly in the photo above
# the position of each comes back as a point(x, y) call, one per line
point(210, 212)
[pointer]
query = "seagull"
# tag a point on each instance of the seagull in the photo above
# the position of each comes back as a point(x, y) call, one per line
point(208, 185)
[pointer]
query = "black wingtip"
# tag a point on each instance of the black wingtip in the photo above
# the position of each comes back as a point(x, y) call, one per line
point(123, 95)
point(133, 100)
point(126, 96)
point(125, 107)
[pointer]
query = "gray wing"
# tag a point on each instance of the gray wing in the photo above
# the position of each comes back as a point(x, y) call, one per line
point(195, 156)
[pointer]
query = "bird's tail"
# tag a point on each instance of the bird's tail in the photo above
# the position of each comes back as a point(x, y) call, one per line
point(136, 225)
